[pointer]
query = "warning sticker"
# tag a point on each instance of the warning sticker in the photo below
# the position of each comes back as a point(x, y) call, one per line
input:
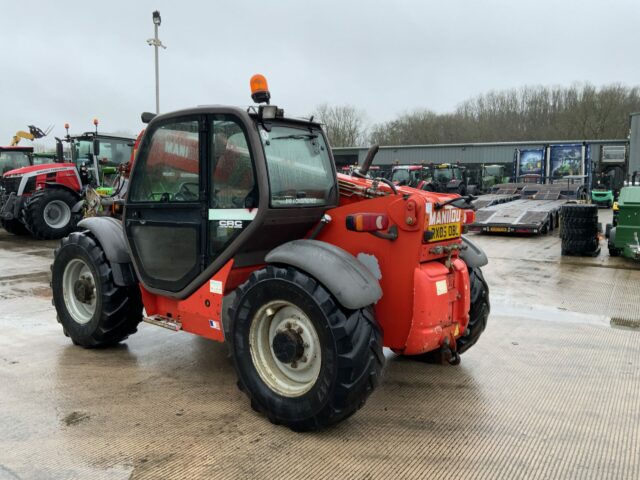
point(441, 287)
point(214, 324)
point(215, 286)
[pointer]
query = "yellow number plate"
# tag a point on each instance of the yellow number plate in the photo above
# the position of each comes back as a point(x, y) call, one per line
point(444, 231)
point(498, 229)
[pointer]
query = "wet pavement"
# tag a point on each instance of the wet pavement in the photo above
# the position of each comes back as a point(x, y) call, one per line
point(551, 390)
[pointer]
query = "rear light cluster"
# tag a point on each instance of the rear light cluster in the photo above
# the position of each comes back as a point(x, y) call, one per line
point(367, 222)
point(469, 217)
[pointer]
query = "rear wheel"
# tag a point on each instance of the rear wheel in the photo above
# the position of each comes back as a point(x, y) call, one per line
point(303, 360)
point(611, 243)
point(48, 213)
point(608, 230)
point(479, 311)
point(14, 226)
point(93, 311)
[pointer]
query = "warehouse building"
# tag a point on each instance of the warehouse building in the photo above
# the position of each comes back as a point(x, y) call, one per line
point(465, 153)
point(493, 153)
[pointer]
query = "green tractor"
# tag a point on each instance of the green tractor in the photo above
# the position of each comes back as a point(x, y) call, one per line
point(606, 186)
point(603, 192)
point(484, 178)
point(623, 234)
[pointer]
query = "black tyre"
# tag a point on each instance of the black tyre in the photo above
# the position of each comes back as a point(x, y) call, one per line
point(14, 226)
point(579, 222)
point(478, 313)
point(303, 360)
point(581, 232)
point(48, 213)
point(579, 210)
point(93, 311)
point(611, 243)
point(580, 246)
point(607, 230)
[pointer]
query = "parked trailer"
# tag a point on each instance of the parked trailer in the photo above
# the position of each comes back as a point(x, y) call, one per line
point(500, 193)
point(537, 212)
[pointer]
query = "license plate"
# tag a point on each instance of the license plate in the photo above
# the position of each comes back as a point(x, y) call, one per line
point(444, 231)
point(498, 229)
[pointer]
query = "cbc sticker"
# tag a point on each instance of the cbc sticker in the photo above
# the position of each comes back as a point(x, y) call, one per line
point(264, 134)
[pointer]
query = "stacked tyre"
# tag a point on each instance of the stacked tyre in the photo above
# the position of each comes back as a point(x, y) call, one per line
point(579, 230)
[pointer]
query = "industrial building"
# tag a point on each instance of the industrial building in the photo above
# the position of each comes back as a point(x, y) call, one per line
point(488, 153)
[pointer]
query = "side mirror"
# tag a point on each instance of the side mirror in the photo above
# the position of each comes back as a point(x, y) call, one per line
point(96, 146)
point(146, 117)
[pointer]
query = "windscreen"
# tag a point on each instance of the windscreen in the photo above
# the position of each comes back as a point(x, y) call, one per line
point(494, 170)
point(10, 160)
point(442, 174)
point(299, 166)
point(113, 151)
point(401, 175)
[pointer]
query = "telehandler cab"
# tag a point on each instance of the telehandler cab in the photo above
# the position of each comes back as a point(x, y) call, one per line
point(237, 228)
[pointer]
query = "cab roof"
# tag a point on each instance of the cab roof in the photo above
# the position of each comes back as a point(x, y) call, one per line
point(251, 111)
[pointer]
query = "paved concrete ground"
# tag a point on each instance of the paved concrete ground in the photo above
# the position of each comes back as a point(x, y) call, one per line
point(551, 390)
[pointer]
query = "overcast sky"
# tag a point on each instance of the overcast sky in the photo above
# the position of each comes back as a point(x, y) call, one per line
point(75, 60)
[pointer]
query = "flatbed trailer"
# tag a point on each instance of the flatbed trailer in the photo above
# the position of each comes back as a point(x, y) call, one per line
point(500, 193)
point(493, 199)
point(536, 212)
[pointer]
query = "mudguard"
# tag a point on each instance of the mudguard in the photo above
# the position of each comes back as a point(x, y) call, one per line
point(473, 255)
point(353, 285)
point(110, 235)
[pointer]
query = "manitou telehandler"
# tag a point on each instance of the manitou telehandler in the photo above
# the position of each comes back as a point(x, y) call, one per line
point(243, 209)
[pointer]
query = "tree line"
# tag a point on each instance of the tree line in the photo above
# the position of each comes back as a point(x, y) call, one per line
point(524, 114)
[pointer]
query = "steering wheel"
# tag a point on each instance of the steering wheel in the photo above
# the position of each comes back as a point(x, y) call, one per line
point(185, 193)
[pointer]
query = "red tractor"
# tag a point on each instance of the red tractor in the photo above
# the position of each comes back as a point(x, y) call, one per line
point(46, 200)
point(237, 228)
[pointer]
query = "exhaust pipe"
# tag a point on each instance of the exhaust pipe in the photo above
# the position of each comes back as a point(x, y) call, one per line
point(362, 171)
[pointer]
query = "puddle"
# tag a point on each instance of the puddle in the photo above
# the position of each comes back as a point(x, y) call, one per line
point(546, 313)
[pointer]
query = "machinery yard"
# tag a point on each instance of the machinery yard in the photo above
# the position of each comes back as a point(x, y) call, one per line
point(344, 241)
point(549, 391)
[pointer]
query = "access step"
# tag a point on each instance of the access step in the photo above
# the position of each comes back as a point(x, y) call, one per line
point(164, 322)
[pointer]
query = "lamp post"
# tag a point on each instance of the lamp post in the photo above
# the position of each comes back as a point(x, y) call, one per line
point(155, 43)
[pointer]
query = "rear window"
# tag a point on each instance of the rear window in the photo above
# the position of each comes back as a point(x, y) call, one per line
point(299, 166)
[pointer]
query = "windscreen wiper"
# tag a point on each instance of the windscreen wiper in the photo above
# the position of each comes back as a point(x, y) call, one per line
point(307, 136)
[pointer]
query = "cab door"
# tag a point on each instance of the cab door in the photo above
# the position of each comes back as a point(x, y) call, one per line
point(167, 203)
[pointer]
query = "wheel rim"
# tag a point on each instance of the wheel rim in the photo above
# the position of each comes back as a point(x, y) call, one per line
point(57, 214)
point(79, 291)
point(278, 330)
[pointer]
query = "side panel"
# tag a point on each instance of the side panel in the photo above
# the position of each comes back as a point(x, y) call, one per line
point(200, 313)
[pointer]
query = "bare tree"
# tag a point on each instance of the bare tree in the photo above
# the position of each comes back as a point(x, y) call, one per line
point(529, 113)
point(344, 125)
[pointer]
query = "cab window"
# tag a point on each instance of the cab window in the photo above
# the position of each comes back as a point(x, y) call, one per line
point(299, 166)
point(168, 165)
point(233, 183)
point(234, 195)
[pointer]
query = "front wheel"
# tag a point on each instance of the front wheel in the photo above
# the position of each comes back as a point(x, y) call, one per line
point(303, 360)
point(93, 311)
point(48, 213)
